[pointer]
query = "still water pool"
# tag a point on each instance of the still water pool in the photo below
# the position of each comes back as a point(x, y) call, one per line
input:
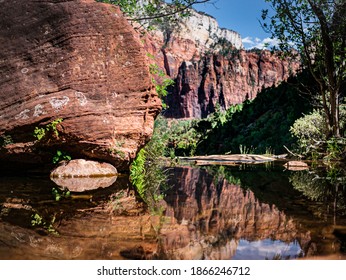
point(237, 212)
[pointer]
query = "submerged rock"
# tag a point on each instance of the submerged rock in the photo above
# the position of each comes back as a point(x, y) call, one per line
point(296, 165)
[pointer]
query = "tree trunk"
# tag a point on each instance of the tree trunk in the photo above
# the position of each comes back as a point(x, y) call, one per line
point(334, 110)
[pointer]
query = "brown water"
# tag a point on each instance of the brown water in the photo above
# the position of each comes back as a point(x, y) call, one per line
point(241, 212)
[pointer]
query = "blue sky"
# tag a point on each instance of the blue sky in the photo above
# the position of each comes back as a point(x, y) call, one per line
point(242, 16)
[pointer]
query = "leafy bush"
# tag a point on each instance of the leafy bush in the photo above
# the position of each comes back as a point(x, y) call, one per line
point(161, 81)
point(137, 173)
point(311, 134)
point(309, 130)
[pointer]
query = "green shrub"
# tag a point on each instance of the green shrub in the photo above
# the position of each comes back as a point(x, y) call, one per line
point(309, 129)
point(161, 81)
point(312, 141)
point(137, 173)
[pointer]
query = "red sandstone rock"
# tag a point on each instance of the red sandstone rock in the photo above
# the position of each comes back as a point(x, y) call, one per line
point(80, 61)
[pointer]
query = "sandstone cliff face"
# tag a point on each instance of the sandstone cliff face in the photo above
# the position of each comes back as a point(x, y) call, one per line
point(225, 80)
point(210, 66)
point(82, 62)
point(200, 29)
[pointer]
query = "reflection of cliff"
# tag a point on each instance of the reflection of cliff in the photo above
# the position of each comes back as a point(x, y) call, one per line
point(217, 214)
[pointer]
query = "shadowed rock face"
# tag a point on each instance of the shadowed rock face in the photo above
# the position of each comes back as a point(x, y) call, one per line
point(80, 61)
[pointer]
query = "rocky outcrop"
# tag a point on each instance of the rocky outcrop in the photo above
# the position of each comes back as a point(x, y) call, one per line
point(79, 62)
point(210, 66)
point(199, 32)
point(186, 39)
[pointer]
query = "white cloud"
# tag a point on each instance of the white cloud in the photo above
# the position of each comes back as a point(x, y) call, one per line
point(247, 40)
point(250, 43)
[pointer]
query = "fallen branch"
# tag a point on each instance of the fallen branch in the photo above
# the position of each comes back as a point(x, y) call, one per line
point(294, 154)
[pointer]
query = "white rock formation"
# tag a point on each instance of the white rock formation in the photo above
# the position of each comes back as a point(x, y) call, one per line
point(205, 31)
point(198, 27)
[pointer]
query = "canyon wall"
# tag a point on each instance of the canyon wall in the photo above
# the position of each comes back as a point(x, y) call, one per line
point(210, 66)
point(225, 80)
point(77, 74)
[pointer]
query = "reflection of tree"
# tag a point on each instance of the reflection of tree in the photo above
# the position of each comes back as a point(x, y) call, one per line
point(325, 186)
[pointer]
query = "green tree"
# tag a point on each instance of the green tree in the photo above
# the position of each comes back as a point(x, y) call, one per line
point(317, 29)
point(145, 10)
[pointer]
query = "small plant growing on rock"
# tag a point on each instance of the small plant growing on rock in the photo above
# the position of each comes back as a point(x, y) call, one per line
point(60, 155)
point(161, 82)
point(38, 221)
point(41, 132)
point(6, 140)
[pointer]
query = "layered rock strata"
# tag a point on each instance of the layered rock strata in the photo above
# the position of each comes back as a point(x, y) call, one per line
point(79, 62)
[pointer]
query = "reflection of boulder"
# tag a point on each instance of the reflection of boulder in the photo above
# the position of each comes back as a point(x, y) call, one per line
point(84, 184)
point(81, 175)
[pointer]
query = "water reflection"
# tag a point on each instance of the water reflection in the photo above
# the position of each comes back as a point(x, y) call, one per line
point(217, 215)
point(84, 183)
point(245, 212)
point(267, 249)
